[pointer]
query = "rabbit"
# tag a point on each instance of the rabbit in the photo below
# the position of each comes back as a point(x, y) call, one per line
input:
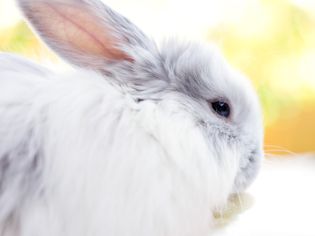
point(136, 139)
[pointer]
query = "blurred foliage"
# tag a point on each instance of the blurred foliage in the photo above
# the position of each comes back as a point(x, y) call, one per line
point(273, 43)
point(21, 40)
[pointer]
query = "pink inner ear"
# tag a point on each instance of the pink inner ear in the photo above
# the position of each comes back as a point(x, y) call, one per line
point(78, 29)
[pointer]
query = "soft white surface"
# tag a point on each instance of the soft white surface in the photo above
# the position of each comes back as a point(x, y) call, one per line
point(281, 202)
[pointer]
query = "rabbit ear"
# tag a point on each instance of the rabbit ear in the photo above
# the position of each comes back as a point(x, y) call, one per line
point(85, 32)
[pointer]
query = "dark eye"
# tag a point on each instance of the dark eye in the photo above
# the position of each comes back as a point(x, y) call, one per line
point(221, 108)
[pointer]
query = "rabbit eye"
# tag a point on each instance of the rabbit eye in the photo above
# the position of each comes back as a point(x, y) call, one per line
point(221, 108)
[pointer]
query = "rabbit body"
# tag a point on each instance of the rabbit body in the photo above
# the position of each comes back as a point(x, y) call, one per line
point(136, 140)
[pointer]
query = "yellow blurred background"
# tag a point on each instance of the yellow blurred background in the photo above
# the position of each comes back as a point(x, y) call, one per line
point(271, 41)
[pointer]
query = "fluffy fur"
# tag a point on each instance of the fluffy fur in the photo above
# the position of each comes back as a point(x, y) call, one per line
point(127, 144)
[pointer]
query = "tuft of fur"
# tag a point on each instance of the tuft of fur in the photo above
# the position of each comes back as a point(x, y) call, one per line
point(127, 144)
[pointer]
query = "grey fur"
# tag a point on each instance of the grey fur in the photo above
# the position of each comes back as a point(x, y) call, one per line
point(20, 164)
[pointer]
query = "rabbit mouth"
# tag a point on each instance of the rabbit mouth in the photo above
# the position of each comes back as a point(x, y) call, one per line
point(248, 171)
